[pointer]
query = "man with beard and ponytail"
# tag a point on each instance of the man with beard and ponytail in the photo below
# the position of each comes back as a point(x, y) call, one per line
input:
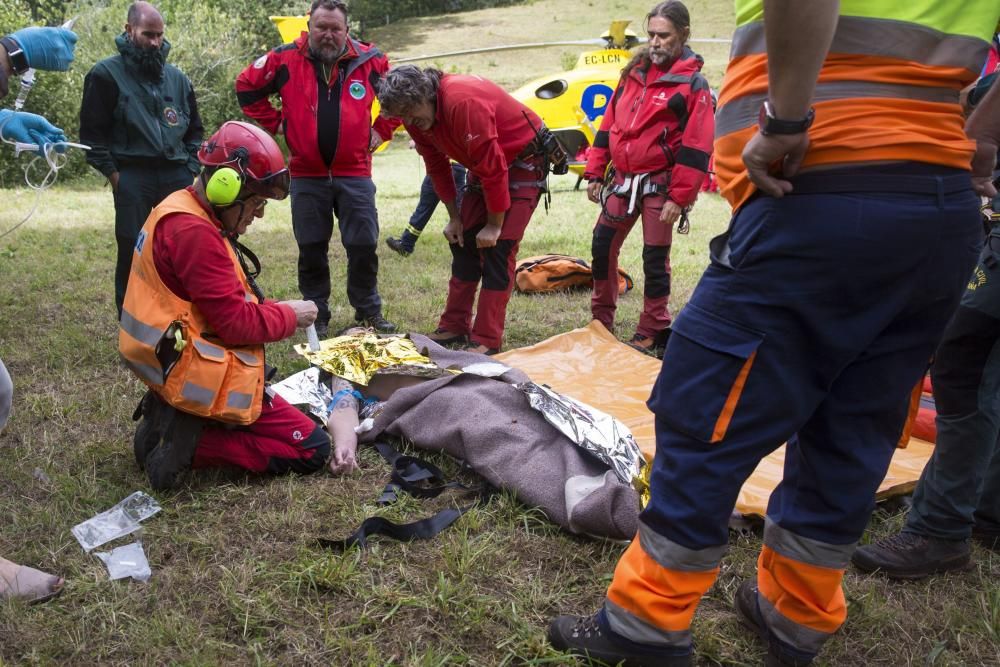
point(140, 118)
point(326, 81)
point(657, 136)
point(194, 324)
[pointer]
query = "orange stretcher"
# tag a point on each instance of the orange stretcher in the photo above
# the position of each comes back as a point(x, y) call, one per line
point(592, 366)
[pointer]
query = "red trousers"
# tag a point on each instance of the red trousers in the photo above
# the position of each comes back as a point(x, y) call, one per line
point(613, 226)
point(281, 440)
point(493, 267)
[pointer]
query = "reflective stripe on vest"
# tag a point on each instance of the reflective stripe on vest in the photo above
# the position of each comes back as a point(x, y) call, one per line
point(204, 378)
point(888, 89)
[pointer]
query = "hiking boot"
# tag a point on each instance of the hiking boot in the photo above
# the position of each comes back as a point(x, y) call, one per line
point(651, 345)
point(987, 537)
point(444, 337)
point(748, 611)
point(376, 322)
point(912, 556)
point(322, 330)
point(399, 246)
point(582, 636)
point(175, 451)
point(147, 433)
point(479, 348)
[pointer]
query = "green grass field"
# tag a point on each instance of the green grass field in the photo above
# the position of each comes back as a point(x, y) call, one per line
point(237, 578)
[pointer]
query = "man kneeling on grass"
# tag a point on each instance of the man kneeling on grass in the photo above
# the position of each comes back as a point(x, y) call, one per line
point(194, 324)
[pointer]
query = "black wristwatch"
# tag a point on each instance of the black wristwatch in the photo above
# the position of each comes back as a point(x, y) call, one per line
point(18, 59)
point(769, 124)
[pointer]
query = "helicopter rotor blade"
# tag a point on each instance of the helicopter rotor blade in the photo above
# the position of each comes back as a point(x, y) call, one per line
point(505, 47)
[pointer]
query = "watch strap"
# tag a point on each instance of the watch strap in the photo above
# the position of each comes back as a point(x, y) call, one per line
point(770, 125)
point(18, 58)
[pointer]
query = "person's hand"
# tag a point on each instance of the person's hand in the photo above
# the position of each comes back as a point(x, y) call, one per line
point(374, 141)
point(487, 236)
point(453, 231)
point(29, 128)
point(343, 459)
point(305, 312)
point(762, 151)
point(47, 48)
point(594, 191)
point(983, 163)
point(671, 211)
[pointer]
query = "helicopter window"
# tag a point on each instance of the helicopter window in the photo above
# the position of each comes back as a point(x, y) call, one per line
point(552, 89)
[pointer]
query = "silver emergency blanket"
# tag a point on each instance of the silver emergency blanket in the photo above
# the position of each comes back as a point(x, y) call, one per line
point(596, 432)
point(305, 391)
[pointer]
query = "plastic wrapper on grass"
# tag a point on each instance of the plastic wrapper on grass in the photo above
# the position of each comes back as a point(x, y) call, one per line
point(127, 561)
point(596, 432)
point(122, 519)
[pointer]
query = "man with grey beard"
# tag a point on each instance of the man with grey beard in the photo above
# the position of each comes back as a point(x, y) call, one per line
point(140, 118)
point(326, 81)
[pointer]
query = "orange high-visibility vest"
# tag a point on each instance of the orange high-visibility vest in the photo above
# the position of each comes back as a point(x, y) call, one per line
point(205, 377)
point(888, 89)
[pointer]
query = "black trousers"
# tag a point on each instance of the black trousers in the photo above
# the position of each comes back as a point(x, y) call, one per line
point(140, 188)
point(315, 202)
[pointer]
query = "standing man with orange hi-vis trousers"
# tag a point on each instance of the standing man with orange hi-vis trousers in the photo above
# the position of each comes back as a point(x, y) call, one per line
point(194, 323)
point(842, 147)
point(657, 136)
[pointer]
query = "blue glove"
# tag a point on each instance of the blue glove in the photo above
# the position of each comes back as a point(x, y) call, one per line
point(28, 128)
point(47, 48)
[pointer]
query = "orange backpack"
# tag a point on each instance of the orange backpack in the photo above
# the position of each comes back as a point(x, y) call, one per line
point(551, 273)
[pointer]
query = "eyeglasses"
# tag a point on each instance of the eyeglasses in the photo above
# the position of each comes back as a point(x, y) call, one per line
point(258, 203)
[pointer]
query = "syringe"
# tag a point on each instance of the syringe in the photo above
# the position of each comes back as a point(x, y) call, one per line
point(28, 78)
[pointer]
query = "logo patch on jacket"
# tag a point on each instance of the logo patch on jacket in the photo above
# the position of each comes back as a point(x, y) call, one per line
point(357, 90)
point(260, 62)
point(170, 114)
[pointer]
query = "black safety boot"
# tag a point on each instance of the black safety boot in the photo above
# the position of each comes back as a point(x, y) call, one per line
point(582, 636)
point(748, 611)
point(400, 246)
point(988, 537)
point(912, 556)
point(175, 451)
point(651, 345)
point(322, 329)
point(376, 322)
point(147, 432)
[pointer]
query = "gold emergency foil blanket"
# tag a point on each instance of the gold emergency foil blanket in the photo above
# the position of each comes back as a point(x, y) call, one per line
point(358, 357)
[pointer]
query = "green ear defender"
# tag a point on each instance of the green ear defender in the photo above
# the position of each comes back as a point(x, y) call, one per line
point(223, 187)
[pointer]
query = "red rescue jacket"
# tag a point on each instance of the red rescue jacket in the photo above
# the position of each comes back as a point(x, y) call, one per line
point(289, 71)
point(480, 126)
point(659, 123)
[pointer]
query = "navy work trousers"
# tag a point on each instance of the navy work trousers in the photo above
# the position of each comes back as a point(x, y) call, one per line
point(817, 316)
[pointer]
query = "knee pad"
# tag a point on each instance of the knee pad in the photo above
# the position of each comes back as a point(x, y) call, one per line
point(496, 272)
point(465, 262)
point(600, 250)
point(654, 266)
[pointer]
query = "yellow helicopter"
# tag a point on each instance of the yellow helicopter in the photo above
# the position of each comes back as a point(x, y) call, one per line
point(570, 103)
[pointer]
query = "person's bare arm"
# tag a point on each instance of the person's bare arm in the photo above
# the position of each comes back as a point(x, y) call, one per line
point(983, 126)
point(341, 423)
point(798, 36)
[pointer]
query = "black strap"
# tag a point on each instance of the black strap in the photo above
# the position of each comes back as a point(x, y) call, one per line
point(420, 479)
